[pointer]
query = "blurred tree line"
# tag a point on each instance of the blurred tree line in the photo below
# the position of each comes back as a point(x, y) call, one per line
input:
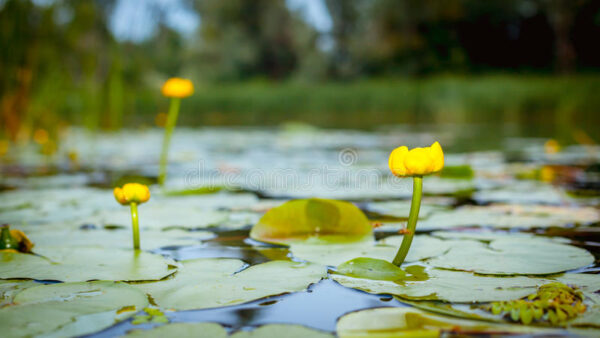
point(60, 63)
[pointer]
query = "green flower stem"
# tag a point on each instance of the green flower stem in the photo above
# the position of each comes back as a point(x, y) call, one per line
point(415, 205)
point(169, 127)
point(136, 226)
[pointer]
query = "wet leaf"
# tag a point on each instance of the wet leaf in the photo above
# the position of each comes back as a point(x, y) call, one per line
point(514, 256)
point(313, 219)
point(371, 268)
point(214, 330)
point(118, 238)
point(510, 216)
point(204, 283)
point(282, 330)
point(411, 322)
point(334, 254)
point(71, 264)
point(69, 309)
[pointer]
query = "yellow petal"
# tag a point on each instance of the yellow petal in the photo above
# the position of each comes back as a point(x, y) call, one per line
point(437, 157)
point(396, 161)
point(177, 87)
point(418, 161)
point(119, 196)
point(132, 193)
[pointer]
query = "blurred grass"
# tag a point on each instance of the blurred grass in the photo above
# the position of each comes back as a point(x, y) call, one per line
point(562, 102)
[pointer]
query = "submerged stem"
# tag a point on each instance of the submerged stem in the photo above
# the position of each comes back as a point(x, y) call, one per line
point(136, 227)
point(412, 221)
point(169, 127)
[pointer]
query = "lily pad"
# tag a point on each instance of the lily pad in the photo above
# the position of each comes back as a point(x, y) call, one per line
point(310, 219)
point(119, 238)
point(69, 309)
point(214, 330)
point(522, 192)
point(371, 268)
point(282, 330)
point(411, 322)
point(9, 288)
point(423, 247)
point(513, 255)
point(401, 209)
point(205, 283)
point(450, 286)
point(181, 330)
point(160, 217)
point(71, 264)
point(510, 216)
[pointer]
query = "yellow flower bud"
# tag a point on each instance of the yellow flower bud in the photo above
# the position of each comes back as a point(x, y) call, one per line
point(417, 161)
point(177, 87)
point(132, 193)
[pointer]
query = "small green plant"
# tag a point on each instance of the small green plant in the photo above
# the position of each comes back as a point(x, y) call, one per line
point(555, 303)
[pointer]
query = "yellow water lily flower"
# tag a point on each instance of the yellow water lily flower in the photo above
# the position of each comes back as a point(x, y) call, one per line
point(417, 161)
point(177, 87)
point(132, 193)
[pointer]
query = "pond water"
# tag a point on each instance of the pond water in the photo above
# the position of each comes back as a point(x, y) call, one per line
point(504, 194)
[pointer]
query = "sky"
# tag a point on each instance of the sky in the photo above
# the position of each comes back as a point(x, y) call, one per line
point(137, 20)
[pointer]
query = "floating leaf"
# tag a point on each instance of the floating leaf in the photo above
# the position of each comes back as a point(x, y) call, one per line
point(510, 216)
point(69, 309)
point(9, 288)
point(72, 264)
point(182, 330)
point(510, 256)
point(334, 254)
point(371, 268)
point(214, 330)
point(204, 283)
point(282, 330)
point(450, 286)
point(313, 219)
point(411, 322)
point(118, 238)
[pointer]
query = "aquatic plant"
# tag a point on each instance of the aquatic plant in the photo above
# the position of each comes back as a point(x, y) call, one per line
point(554, 302)
point(133, 194)
point(177, 89)
point(415, 163)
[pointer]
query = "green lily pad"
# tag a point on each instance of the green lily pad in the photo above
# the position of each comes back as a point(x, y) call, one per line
point(513, 255)
point(181, 330)
point(213, 282)
point(119, 238)
point(450, 286)
point(73, 264)
point(312, 219)
point(510, 216)
point(282, 330)
point(411, 322)
point(69, 309)
point(371, 268)
point(522, 192)
point(9, 288)
point(214, 330)
point(401, 209)
point(423, 247)
point(465, 287)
